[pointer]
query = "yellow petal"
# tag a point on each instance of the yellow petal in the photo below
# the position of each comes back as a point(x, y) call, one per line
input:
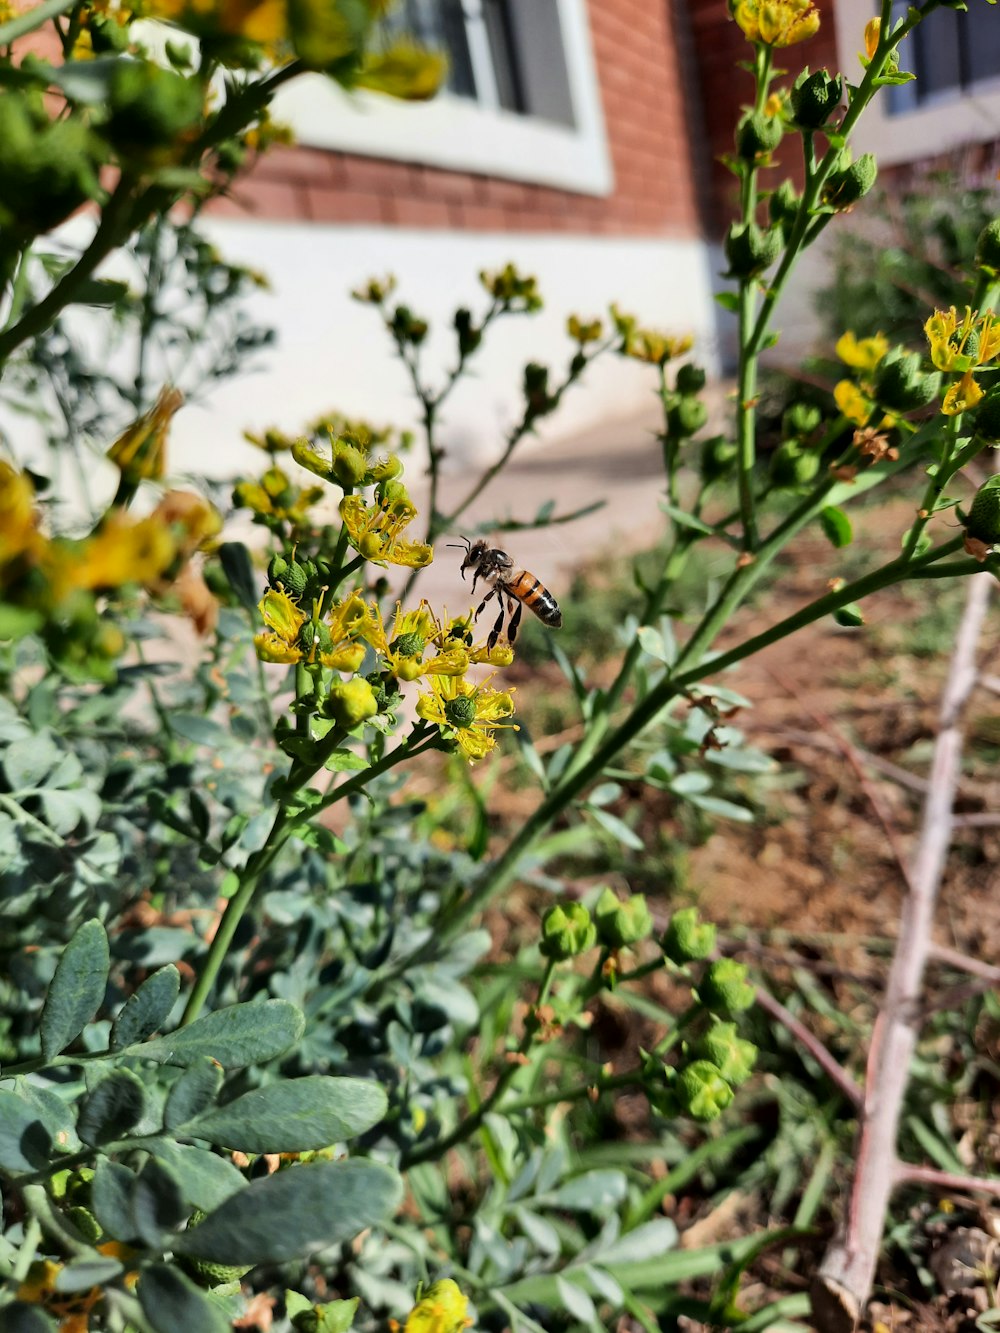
point(962, 395)
point(272, 649)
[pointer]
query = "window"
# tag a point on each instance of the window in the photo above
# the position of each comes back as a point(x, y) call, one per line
point(522, 101)
point(954, 100)
point(503, 53)
point(950, 53)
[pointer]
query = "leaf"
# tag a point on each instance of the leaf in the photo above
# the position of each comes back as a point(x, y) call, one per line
point(296, 1115)
point(240, 1035)
point(294, 1213)
point(111, 1108)
point(22, 1318)
point(205, 1179)
point(645, 1242)
point(157, 1203)
point(111, 1199)
point(836, 526)
point(717, 805)
point(193, 1093)
point(575, 1301)
point(594, 1191)
point(618, 829)
point(200, 730)
point(77, 988)
point(147, 1009)
point(652, 644)
point(26, 1143)
point(728, 301)
point(170, 1301)
point(28, 762)
point(87, 1273)
point(686, 520)
point(345, 761)
point(239, 571)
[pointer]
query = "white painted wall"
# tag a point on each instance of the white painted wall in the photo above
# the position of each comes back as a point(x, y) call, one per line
point(332, 353)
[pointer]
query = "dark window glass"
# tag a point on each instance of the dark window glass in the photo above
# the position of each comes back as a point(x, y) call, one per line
point(950, 52)
point(440, 26)
point(497, 18)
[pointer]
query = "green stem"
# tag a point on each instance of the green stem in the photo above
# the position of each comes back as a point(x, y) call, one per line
point(117, 220)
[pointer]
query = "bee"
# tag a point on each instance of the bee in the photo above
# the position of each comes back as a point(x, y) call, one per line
point(520, 588)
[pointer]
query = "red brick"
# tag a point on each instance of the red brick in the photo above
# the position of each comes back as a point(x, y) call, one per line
point(372, 175)
point(436, 183)
point(480, 217)
point(275, 200)
point(408, 212)
point(294, 162)
point(329, 205)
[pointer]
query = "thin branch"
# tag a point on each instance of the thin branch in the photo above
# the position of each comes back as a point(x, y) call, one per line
point(843, 1283)
point(963, 962)
point(834, 1071)
point(948, 1181)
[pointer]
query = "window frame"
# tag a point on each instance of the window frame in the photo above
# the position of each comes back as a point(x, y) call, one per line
point(940, 125)
point(459, 134)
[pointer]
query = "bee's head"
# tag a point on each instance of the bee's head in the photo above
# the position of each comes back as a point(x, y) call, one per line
point(473, 553)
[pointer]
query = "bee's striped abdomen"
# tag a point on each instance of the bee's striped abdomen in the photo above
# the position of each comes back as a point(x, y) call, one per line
point(536, 597)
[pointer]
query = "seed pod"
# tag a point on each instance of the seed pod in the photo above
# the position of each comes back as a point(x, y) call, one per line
point(902, 385)
point(725, 989)
point(987, 418)
point(732, 1055)
point(988, 247)
point(851, 183)
point(702, 1091)
point(718, 456)
point(751, 249)
point(983, 522)
point(783, 207)
point(687, 939)
point(758, 134)
point(791, 465)
point(620, 924)
point(690, 379)
point(687, 416)
point(567, 930)
point(815, 97)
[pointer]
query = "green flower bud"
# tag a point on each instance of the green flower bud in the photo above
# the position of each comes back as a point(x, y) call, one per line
point(687, 416)
point(469, 337)
point(702, 1091)
point(987, 418)
point(718, 456)
point(750, 250)
point(850, 616)
point(407, 327)
point(208, 1274)
point(783, 207)
point(309, 458)
point(460, 711)
point(815, 97)
point(983, 522)
point(690, 379)
point(988, 247)
point(287, 574)
point(801, 419)
point(791, 465)
point(351, 702)
point(901, 385)
point(349, 466)
point(758, 134)
point(386, 469)
point(413, 645)
point(567, 930)
point(732, 1055)
point(86, 1223)
point(851, 183)
point(151, 107)
point(724, 988)
point(686, 938)
point(621, 924)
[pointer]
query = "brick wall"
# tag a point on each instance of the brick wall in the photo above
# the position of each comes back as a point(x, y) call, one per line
point(637, 49)
point(726, 89)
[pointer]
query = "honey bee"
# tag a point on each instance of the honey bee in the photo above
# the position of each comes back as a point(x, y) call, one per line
point(520, 588)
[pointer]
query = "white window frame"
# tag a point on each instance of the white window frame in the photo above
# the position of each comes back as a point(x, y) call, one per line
point(459, 134)
point(941, 125)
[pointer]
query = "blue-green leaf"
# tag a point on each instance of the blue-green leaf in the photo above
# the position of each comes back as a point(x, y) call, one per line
point(77, 988)
point(171, 1302)
point(193, 1093)
point(147, 1009)
point(240, 1035)
point(297, 1115)
point(294, 1213)
point(111, 1108)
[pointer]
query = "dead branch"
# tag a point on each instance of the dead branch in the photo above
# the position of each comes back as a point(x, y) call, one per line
point(835, 1072)
point(949, 1182)
point(843, 1282)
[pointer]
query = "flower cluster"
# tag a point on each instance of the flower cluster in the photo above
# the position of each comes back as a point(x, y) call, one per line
point(962, 346)
point(776, 23)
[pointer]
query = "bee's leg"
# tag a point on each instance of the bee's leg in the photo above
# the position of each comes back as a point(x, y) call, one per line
point(495, 631)
point(514, 622)
point(491, 593)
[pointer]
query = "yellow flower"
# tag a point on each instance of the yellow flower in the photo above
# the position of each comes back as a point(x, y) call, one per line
point(18, 527)
point(262, 21)
point(655, 348)
point(374, 529)
point(777, 22)
point(443, 1308)
point(459, 633)
point(963, 394)
point(404, 648)
point(852, 402)
point(873, 31)
point(959, 344)
point(121, 552)
point(862, 353)
point(291, 636)
point(140, 451)
point(466, 713)
point(274, 499)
